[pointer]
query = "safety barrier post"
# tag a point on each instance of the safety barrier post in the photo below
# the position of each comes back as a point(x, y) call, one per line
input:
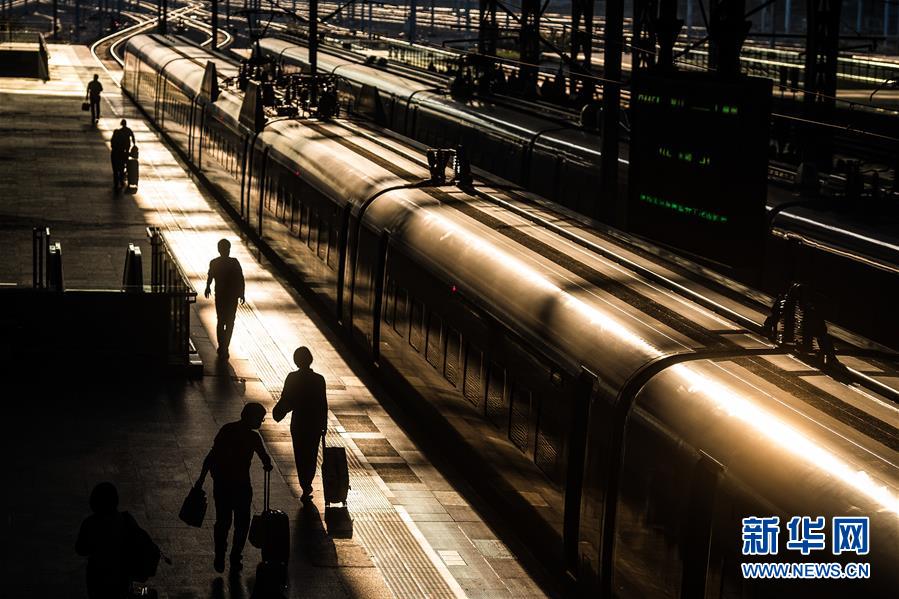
point(40, 244)
point(54, 267)
point(133, 274)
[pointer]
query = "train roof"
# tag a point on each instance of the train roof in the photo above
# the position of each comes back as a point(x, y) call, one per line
point(505, 122)
point(585, 298)
point(179, 59)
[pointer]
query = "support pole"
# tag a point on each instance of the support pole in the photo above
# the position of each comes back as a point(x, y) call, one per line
point(612, 206)
point(689, 18)
point(162, 14)
point(55, 18)
point(488, 31)
point(313, 48)
point(215, 25)
point(529, 46)
point(667, 28)
point(819, 103)
point(413, 16)
point(581, 47)
point(643, 53)
point(727, 32)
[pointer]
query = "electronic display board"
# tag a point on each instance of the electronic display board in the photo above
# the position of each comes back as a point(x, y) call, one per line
point(698, 163)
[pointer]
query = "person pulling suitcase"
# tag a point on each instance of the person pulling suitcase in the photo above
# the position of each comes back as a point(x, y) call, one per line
point(120, 146)
point(304, 395)
point(229, 461)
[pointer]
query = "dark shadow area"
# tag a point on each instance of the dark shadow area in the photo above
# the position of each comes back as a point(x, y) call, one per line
point(311, 542)
point(147, 437)
point(339, 523)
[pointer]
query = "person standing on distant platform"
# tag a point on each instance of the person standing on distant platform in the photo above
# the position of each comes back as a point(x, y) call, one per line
point(304, 395)
point(229, 289)
point(94, 88)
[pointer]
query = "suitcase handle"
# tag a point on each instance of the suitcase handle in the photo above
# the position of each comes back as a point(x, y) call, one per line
point(266, 489)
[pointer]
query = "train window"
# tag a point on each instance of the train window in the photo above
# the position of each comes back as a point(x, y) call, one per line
point(519, 415)
point(279, 202)
point(402, 311)
point(304, 220)
point(453, 355)
point(496, 409)
point(294, 214)
point(548, 442)
point(389, 300)
point(473, 383)
point(332, 241)
point(323, 227)
point(313, 230)
point(434, 347)
point(416, 324)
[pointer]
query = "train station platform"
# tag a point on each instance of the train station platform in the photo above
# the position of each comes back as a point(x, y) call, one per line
point(418, 531)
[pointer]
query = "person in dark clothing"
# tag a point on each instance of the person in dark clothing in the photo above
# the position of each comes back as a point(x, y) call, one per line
point(120, 144)
point(304, 395)
point(94, 88)
point(229, 462)
point(229, 289)
point(103, 539)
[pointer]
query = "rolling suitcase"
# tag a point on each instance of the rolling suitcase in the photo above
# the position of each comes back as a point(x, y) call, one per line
point(270, 530)
point(335, 474)
point(133, 172)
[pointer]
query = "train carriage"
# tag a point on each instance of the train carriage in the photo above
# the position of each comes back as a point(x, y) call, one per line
point(623, 415)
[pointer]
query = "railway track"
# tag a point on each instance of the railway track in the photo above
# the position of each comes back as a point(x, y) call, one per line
point(107, 50)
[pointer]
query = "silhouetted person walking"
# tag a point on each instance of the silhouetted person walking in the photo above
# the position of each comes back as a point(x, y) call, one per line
point(120, 144)
point(229, 462)
point(304, 395)
point(229, 289)
point(103, 539)
point(94, 88)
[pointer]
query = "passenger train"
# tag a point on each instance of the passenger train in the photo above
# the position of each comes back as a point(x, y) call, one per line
point(624, 414)
point(818, 242)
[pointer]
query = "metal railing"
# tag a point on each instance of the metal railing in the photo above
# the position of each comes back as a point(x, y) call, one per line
point(167, 276)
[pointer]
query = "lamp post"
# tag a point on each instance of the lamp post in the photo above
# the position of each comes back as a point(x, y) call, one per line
point(254, 30)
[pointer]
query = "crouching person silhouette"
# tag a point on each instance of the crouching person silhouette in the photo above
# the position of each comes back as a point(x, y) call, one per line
point(229, 462)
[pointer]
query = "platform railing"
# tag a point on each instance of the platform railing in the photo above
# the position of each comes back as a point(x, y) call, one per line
point(167, 276)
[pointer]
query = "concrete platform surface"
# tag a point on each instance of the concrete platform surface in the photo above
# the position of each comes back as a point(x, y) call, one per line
point(415, 533)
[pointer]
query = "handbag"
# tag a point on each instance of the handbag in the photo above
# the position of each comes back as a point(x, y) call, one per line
point(85, 106)
point(193, 510)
